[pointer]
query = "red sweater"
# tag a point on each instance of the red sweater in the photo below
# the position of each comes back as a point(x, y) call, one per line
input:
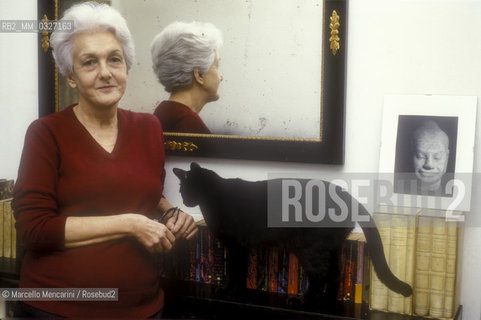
point(65, 172)
point(176, 117)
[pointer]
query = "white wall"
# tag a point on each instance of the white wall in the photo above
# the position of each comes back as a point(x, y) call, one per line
point(395, 46)
point(18, 85)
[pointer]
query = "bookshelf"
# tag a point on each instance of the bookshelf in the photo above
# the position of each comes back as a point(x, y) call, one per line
point(9, 248)
point(9, 265)
point(190, 295)
point(197, 300)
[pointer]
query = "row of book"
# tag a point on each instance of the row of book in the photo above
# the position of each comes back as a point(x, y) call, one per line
point(421, 250)
point(269, 269)
point(202, 260)
point(275, 270)
point(8, 234)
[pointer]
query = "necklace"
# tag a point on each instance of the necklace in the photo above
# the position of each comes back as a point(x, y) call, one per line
point(104, 134)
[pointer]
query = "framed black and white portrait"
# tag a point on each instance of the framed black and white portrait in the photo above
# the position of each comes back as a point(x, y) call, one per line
point(427, 150)
point(425, 155)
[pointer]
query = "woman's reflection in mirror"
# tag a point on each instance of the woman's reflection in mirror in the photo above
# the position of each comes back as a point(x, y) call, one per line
point(185, 58)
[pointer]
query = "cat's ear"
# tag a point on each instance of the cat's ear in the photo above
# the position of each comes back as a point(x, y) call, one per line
point(194, 165)
point(181, 174)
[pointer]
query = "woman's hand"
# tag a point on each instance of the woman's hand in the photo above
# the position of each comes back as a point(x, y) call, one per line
point(155, 236)
point(182, 225)
point(82, 231)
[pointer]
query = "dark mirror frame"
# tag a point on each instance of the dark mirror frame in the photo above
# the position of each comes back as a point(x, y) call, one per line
point(328, 149)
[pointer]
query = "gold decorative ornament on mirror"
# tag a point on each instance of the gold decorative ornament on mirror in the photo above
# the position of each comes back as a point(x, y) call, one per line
point(45, 38)
point(182, 146)
point(334, 26)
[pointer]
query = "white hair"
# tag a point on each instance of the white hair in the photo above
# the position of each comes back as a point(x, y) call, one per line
point(90, 17)
point(180, 48)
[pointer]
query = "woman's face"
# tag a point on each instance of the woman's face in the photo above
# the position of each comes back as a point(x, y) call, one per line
point(99, 69)
point(212, 80)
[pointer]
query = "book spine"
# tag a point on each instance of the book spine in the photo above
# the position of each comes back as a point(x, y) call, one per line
point(367, 276)
point(192, 258)
point(209, 263)
point(305, 282)
point(293, 278)
point(358, 289)
point(7, 227)
point(273, 269)
point(410, 258)
point(219, 262)
point(198, 266)
point(2, 209)
point(379, 292)
point(262, 269)
point(283, 271)
point(397, 259)
point(206, 256)
point(451, 254)
point(350, 271)
point(7, 230)
point(203, 255)
point(340, 292)
point(302, 275)
point(438, 268)
point(252, 264)
point(14, 233)
point(423, 263)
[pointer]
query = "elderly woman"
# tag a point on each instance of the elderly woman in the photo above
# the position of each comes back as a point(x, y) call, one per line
point(186, 61)
point(90, 183)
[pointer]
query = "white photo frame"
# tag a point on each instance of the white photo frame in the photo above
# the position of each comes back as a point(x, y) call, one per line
point(456, 116)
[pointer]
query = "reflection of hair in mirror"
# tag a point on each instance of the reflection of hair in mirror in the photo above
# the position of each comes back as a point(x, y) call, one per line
point(87, 17)
point(180, 48)
point(186, 61)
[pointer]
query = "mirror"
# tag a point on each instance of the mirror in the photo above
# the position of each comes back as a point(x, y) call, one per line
point(282, 97)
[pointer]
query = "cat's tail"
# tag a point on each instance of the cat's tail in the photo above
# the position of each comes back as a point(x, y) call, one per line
point(378, 258)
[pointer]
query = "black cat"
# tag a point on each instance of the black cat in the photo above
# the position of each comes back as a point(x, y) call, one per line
point(235, 211)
